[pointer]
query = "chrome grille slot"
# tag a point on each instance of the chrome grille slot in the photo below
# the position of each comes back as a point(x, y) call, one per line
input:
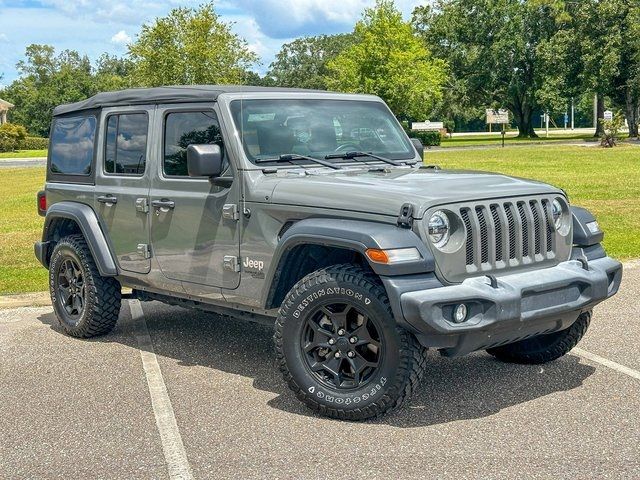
point(508, 234)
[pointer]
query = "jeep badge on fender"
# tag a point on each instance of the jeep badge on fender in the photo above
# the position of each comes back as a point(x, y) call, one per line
point(312, 212)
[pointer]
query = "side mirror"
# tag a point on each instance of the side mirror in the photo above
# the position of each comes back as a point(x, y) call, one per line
point(417, 144)
point(204, 160)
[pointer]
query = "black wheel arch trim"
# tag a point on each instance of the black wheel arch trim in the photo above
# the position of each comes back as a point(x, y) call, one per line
point(87, 220)
point(582, 236)
point(353, 235)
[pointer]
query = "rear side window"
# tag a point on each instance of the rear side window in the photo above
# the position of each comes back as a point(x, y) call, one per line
point(72, 145)
point(182, 129)
point(126, 144)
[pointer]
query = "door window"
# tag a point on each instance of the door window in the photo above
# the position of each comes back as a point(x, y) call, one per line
point(126, 144)
point(182, 129)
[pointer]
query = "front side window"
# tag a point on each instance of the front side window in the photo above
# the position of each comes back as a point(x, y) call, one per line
point(72, 145)
point(318, 127)
point(183, 129)
point(126, 144)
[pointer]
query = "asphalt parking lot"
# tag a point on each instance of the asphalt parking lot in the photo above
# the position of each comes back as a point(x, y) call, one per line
point(173, 393)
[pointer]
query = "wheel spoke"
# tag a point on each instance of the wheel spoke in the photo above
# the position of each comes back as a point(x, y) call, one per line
point(360, 363)
point(317, 329)
point(309, 347)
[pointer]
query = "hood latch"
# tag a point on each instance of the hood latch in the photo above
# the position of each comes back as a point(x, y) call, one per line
point(405, 219)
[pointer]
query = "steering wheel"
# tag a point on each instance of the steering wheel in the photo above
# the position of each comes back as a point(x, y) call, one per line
point(348, 147)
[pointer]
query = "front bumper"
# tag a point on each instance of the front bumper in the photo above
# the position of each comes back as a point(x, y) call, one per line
point(521, 305)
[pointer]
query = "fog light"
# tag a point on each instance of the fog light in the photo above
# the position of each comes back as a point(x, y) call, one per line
point(460, 313)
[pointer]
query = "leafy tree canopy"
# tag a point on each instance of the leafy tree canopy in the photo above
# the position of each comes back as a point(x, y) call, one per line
point(388, 60)
point(302, 63)
point(189, 46)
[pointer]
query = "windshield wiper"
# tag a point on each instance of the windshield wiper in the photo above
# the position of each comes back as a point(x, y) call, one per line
point(355, 155)
point(292, 156)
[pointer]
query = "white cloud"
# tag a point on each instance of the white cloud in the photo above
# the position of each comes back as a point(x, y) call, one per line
point(121, 38)
point(3, 38)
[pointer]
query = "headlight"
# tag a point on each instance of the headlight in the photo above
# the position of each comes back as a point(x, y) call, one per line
point(556, 211)
point(439, 229)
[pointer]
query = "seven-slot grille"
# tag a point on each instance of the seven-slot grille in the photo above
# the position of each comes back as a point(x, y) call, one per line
point(508, 233)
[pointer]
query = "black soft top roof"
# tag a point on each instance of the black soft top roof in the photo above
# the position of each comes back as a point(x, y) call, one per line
point(146, 96)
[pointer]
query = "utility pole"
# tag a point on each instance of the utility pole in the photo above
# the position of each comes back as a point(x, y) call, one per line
point(572, 112)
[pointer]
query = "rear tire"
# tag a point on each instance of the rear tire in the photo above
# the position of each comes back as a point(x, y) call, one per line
point(339, 348)
point(86, 304)
point(544, 348)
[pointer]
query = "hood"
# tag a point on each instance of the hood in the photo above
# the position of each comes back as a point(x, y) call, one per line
point(385, 192)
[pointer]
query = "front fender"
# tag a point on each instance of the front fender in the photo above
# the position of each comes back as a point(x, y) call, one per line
point(87, 220)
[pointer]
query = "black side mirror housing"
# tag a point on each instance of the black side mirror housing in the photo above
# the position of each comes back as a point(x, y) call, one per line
point(204, 160)
point(417, 143)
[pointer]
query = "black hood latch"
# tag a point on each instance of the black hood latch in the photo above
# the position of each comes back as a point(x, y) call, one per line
point(405, 219)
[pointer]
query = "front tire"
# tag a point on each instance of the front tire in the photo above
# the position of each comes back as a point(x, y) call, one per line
point(544, 348)
point(339, 348)
point(86, 304)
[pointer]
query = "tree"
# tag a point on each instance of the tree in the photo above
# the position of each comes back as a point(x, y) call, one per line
point(302, 63)
point(388, 60)
point(492, 50)
point(189, 46)
point(47, 80)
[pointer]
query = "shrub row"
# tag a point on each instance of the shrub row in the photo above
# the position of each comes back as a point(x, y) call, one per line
point(35, 143)
point(14, 137)
point(428, 139)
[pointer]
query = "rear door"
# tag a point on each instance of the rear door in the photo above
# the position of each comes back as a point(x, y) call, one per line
point(192, 240)
point(122, 184)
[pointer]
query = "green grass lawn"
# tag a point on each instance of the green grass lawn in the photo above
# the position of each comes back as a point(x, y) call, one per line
point(20, 227)
point(23, 154)
point(606, 181)
point(512, 139)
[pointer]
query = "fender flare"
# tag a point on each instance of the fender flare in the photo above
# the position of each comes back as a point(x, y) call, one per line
point(87, 220)
point(582, 236)
point(353, 235)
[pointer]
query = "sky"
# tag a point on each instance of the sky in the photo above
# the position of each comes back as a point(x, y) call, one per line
point(98, 26)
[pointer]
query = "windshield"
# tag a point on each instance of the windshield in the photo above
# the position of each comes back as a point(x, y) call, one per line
point(316, 128)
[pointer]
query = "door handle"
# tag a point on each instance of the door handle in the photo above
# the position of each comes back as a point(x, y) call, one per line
point(164, 203)
point(107, 199)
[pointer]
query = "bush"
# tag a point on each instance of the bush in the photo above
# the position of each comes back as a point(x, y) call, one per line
point(428, 139)
point(12, 136)
point(611, 130)
point(35, 143)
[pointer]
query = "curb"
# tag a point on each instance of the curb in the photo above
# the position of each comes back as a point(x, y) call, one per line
point(36, 299)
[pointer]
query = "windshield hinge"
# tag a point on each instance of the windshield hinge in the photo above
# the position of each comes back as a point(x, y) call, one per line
point(405, 219)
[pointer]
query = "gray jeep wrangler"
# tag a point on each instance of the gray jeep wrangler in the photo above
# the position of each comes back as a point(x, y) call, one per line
point(312, 211)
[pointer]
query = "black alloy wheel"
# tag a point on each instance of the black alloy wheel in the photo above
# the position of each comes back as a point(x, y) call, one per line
point(341, 346)
point(71, 288)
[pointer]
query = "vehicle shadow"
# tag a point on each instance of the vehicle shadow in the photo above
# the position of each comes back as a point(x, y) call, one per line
point(453, 389)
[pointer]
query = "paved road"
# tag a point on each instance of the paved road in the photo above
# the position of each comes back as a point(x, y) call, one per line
point(23, 162)
point(203, 400)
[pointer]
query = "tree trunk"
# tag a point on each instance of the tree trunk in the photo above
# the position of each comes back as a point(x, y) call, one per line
point(523, 114)
point(600, 116)
point(631, 111)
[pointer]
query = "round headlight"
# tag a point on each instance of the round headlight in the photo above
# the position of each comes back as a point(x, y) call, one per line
point(556, 211)
point(439, 229)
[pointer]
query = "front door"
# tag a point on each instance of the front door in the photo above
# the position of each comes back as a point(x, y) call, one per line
point(191, 239)
point(122, 185)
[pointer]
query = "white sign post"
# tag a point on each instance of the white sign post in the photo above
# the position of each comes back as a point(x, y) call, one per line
point(500, 116)
point(608, 115)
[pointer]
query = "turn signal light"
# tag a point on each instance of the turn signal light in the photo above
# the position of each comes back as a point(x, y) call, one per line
point(378, 256)
point(394, 255)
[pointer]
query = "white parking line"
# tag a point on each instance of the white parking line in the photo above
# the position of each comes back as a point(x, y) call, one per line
point(172, 445)
point(607, 363)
